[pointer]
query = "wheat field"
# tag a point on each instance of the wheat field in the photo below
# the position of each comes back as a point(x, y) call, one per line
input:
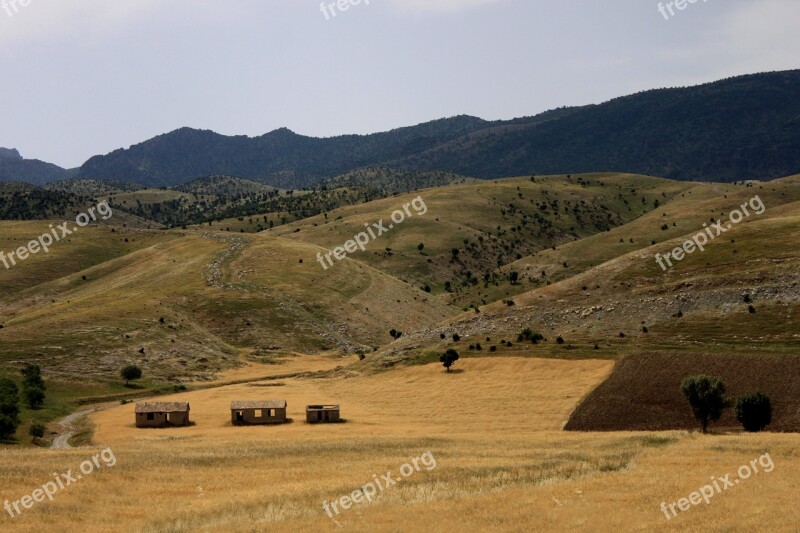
point(493, 427)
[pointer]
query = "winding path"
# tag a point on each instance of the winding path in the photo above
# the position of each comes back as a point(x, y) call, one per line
point(69, 428)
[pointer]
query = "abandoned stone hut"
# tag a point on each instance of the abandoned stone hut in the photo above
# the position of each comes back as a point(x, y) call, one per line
point(322, 413)
point(162, 414)
point(258, 412)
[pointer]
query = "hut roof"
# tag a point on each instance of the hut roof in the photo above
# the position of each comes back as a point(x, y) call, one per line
point(260, 404)
point(322, 407)
point(162, 407)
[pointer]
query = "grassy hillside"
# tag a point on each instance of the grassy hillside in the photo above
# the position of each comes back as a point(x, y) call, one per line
point(185, 305)
point(471, 229)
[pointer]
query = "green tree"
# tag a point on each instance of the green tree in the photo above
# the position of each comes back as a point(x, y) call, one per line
point(8, 426)
point(754, 411)
point(513, 277)
point(9, 408)
point(34, 397)
point(448, 358)
point(9, 399)
point(706, 396)
point(131, 373)
point(32, 377)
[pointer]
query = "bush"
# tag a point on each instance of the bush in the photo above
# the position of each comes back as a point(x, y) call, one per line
point(34, 397)
point(130, 373)
point(528, 334)
point(37, 430)
point(754, 411)
point(706, 396)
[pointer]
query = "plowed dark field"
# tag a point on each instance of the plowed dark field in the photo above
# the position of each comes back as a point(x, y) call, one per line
point(643, 392)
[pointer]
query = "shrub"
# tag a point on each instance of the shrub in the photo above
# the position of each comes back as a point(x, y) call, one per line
point(528, 334)
point(131, 373)
point(754, 411)
point(706, 396)
point(37, 430)
point(560, 340)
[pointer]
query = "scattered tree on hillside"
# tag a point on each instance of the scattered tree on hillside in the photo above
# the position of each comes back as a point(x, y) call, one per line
point(9, 408)
point(131, 373)
point(513, 277)
point(33, 386)
point(754, 411)
point(448, 358)
point(706, 396)
point(34, 397)
point(528, 334)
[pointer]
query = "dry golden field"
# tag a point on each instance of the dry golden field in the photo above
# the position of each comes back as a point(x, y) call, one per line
point(493, 426)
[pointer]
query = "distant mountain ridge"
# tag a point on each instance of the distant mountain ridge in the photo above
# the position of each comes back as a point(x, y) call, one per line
point(747, 127)
point(14, 168)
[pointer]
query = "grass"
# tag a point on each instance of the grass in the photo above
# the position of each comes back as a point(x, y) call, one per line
point(501, 461)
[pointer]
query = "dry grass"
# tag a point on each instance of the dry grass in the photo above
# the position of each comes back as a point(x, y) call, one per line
point(502, 463)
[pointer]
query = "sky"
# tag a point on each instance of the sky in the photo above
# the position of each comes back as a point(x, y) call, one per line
point(84, 77)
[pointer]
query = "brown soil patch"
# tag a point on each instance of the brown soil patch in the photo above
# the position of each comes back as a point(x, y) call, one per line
point(643, 392)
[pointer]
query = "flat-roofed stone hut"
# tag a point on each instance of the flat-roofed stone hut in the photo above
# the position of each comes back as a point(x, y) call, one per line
point(244, 413)
point(162, 414)
point(316, 414)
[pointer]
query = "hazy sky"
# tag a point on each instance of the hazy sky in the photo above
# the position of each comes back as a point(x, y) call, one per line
point(83, 77)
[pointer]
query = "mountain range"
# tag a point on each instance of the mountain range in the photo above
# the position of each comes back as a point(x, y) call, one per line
point(747, 127)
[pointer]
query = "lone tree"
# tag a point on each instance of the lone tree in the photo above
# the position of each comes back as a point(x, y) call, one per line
point(131, 373)
point(706, 396)
point(754, 411)
point(448, 358)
